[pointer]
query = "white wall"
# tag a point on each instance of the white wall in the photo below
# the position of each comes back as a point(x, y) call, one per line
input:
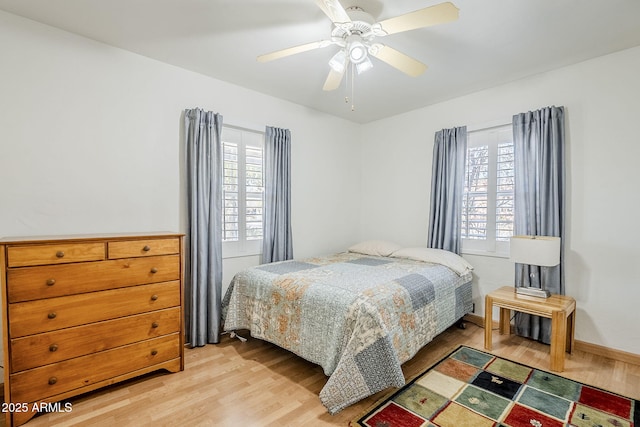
point(90, 142)
point(91, 134)
point(602, 103)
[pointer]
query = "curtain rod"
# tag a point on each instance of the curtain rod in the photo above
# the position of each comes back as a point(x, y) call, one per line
point(253, 129)
point(489, 125)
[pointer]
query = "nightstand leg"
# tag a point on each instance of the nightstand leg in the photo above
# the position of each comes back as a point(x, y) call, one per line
point(558, 340)
point(505, 321)
point(488, 321)
point(571, 325)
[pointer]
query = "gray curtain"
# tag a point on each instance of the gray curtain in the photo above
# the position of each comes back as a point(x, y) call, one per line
point(539, 153)
point(447, 184)
point(203, 275)
point(277, 241)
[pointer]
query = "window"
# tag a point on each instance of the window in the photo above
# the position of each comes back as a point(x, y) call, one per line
point(487, 207)
point(243, 192)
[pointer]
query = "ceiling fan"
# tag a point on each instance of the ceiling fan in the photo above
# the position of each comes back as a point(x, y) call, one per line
point(356, 32)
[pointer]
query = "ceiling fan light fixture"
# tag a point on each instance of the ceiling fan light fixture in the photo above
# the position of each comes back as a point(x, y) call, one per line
point(364, 65)
point(357, 52)
point(338, 61)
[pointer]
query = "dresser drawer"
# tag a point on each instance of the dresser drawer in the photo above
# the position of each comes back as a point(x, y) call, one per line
point(40, 383)
point(137, 248)
point(51, 347)
point(51, 314)
point(30, 283)
point(57, 253)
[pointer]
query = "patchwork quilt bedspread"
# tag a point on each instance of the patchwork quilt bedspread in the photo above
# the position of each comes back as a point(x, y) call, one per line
point(357, 316)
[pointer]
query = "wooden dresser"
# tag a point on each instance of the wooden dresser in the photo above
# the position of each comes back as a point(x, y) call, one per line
point(84, 312)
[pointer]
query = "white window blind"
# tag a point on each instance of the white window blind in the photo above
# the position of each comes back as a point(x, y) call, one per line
point(243, 191)
point(254, 191)
point(504, 190)
point(230, 224)
point(487, 208)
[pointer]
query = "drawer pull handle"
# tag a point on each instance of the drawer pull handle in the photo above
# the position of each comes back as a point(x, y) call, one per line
point(146, 248)
point(154, 297)
point(155, 325)
point(60, 254)
point(154, 270)
point(53, 380)
point(51, 282)
point(53, 347)
point(154, 352)
point(52, 315)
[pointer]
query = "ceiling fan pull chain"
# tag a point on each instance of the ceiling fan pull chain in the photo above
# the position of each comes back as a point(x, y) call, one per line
point(346, 83)
point(353, 83)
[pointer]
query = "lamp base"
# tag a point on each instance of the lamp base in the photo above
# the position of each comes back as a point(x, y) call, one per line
point(533, 292)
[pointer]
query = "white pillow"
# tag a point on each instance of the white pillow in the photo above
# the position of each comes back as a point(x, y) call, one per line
point(436, 256)
point(375, 247)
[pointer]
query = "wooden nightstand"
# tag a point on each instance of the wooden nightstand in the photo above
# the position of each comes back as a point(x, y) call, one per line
point(559, 308)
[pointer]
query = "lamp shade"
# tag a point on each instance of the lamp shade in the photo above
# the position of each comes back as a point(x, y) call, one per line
point(357, 52)
point(338, 61)
point(535, 250)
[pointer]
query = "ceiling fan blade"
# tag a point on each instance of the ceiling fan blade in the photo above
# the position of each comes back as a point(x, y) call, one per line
point(292, 51)
point(438, 14)
point(333, 80)
point(334, 10)
point(399, 60)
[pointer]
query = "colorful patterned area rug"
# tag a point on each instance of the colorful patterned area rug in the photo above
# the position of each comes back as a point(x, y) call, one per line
point(471, 388)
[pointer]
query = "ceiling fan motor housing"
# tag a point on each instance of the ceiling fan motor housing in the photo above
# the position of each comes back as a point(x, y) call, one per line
point(361, 24)
point(357, 13)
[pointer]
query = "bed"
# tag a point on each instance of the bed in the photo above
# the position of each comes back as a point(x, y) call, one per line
point(357, 314)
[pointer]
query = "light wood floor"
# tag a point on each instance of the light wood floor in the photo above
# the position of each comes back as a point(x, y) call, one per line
point(258, 384)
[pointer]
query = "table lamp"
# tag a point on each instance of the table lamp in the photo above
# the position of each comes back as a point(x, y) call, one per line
point(543, 251)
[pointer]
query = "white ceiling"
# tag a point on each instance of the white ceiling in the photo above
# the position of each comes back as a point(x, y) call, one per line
point(493, 41)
